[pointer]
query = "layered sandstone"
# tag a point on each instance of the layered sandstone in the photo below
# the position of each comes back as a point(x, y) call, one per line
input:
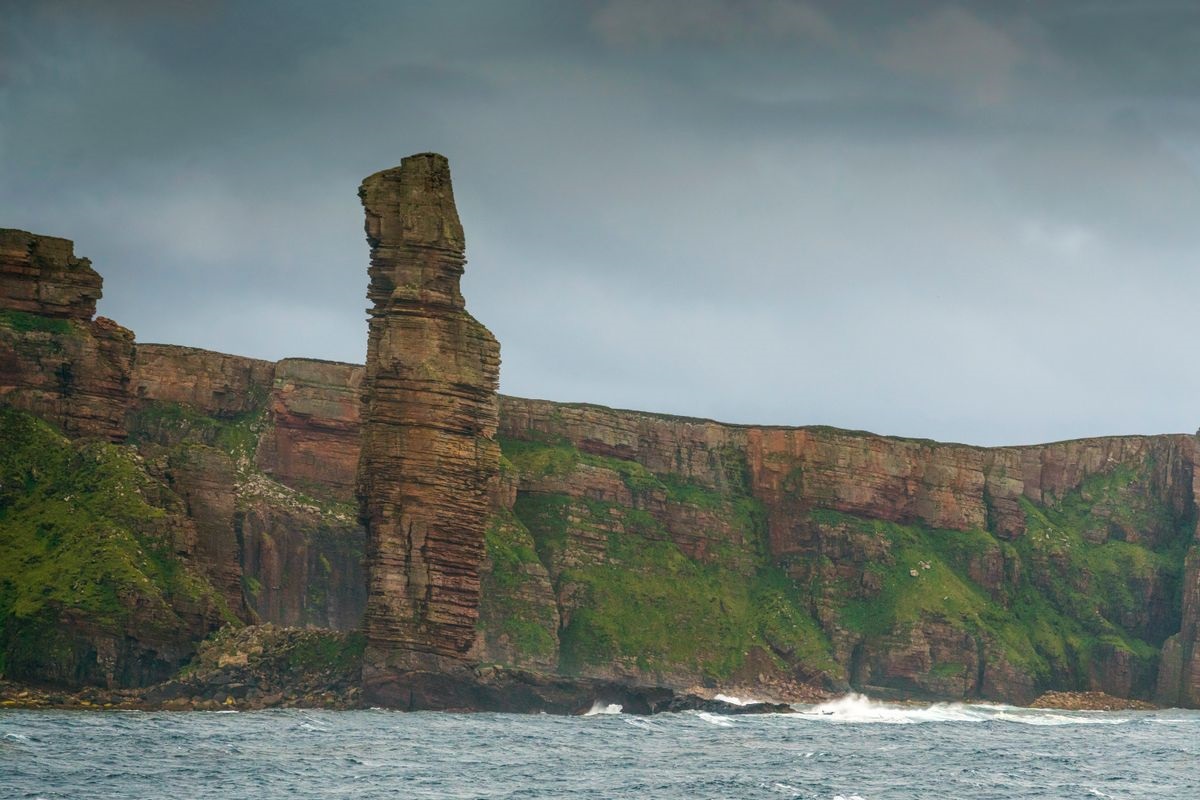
point(311, 442)
point(41, 275)
point(55, 360)
point(614, 545)
point(208, 383)
point(429, 415)
point(255, 448)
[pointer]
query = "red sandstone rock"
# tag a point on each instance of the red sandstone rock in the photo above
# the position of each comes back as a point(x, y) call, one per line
point(203, 477)
point(41, 275)
point(303, 565)
point(429, 415)
point(56, 361)
point(212, 384)
point(311, 441)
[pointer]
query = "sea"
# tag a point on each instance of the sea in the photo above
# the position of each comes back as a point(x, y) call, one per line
point(853, 748)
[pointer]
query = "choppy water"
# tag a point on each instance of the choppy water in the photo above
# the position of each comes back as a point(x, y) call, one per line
point(851, 749)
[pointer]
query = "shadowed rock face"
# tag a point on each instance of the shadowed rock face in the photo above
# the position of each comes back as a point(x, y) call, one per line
point(429, 415)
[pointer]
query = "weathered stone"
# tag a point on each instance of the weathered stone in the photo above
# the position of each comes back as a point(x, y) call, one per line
point(429, 415)
point(203, 477)
point(41, 275)
point(55, 360)
point(209, 383)
point(302, 565)
point(311, 441)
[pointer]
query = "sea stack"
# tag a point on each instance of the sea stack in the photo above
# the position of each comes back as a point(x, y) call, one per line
point(429, 418)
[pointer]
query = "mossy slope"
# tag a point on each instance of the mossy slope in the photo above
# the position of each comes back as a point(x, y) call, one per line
point(633, 602)
point(1083, 600)
point(88, 554)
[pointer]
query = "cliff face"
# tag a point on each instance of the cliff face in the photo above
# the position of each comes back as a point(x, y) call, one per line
point(599, 544)
point(55, 360)
point(253, 447)
point(119, 559)
point(312, 441)
point(41, 275)
point(909, 566)
point(429, 411)
point(207, 383)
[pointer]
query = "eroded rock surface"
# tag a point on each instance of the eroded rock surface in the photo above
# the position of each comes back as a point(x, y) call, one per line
point(41, 275)
point(55, 360)
point(429, 415)
point(312, 440)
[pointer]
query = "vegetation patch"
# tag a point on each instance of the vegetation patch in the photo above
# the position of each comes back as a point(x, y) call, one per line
point(23, 322)
point(1071, 592)
point(516, 607)
point(83, 533)
point(643, 602)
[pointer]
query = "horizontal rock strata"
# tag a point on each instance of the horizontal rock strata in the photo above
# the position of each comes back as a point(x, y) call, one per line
point(55, 360)
point(429, 411)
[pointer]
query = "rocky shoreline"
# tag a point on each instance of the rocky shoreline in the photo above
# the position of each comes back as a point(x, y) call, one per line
point(1090, 701)
point(173, 696)
point(266, 666)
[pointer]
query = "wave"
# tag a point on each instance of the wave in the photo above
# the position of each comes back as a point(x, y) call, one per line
point(603, 708)
point(735, 701)
point(857, 708)
point(715, 719)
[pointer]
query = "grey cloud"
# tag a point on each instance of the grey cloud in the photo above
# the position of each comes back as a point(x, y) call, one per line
point(652, 22)
point(955, 220)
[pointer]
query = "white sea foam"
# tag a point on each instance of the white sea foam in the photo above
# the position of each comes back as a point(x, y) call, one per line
point(715, 719)
point(736, 701)
point(857, 708)
point(640, 722)
point(790, 791)
point(602, 708)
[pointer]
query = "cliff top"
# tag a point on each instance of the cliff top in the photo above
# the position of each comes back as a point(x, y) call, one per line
point(41, 275)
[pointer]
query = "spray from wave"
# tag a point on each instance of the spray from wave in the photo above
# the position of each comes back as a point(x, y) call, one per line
point(857, 708)
point(599, 708)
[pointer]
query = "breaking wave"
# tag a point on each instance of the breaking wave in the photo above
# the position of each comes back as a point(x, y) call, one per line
point(715, 719)
point(857, 708)
point(603, 708)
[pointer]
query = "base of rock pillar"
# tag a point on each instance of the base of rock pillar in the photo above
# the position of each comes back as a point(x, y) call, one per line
point(496, 689)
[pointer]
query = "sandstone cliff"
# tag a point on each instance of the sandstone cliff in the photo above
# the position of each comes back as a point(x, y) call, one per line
point(256, 454)
point(55, 360)
point(602, 545)
point(428, 417)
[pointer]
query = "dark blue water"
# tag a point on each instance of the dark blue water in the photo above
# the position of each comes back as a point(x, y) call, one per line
point(850, 750)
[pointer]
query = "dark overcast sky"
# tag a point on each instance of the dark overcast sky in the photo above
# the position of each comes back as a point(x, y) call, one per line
point(974, 222)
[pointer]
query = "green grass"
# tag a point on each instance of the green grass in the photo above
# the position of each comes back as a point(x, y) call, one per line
point(642, 601)
point(23, 322)
point(337, 653)
point(543, 459)
point(1069, 595)
point(645, 603)
point(170, 423)
point(82, 533)
point(507, 611)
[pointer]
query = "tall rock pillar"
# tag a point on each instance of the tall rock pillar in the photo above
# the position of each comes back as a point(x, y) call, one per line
point(430, 412)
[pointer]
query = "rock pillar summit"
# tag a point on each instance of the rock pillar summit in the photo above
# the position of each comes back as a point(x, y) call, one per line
point(429, 418)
